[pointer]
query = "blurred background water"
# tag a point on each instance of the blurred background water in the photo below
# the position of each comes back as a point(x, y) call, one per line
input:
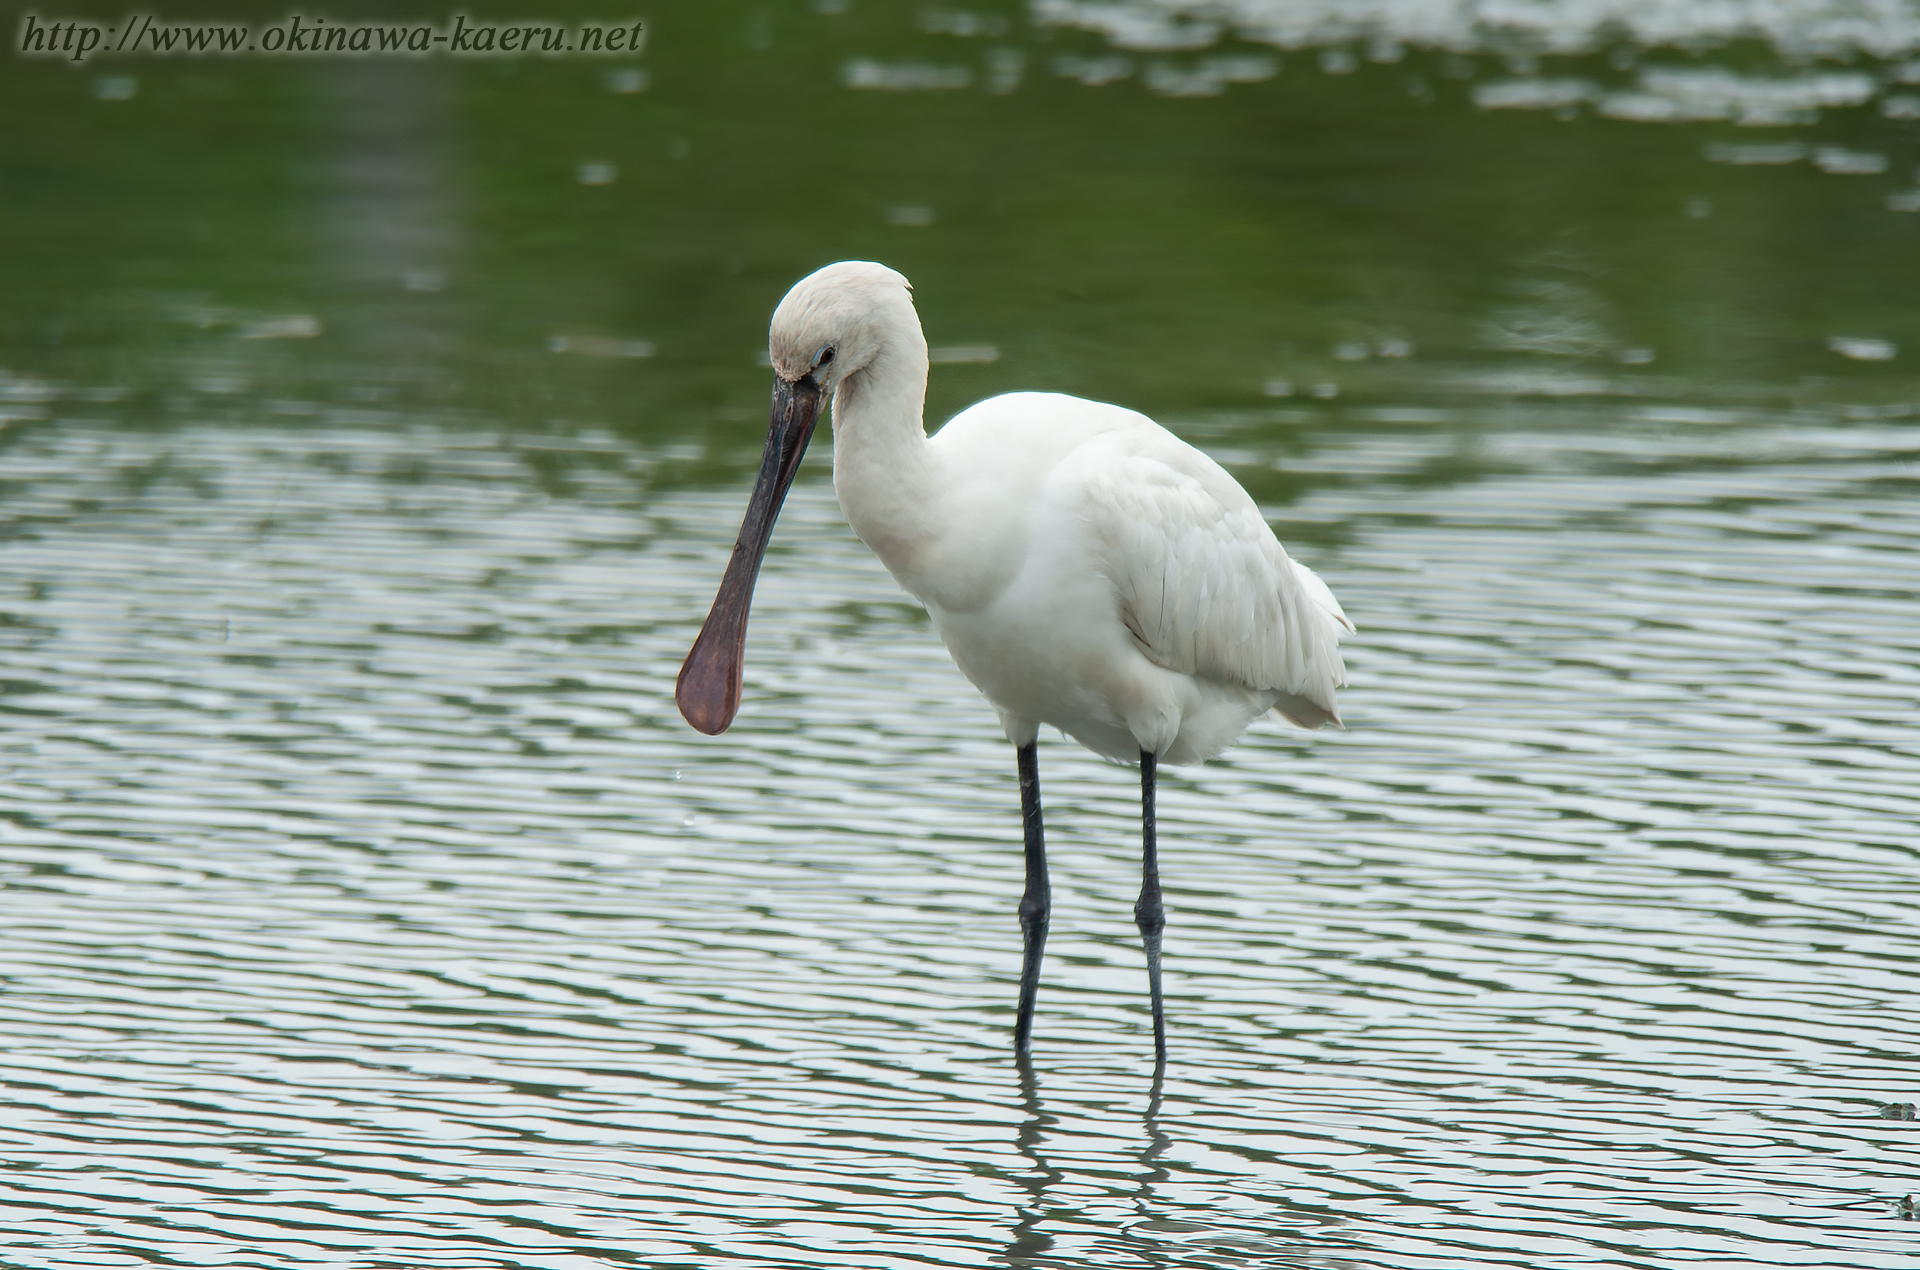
point(372, 434)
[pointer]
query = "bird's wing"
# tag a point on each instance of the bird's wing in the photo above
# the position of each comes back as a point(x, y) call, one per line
point(1199, 578)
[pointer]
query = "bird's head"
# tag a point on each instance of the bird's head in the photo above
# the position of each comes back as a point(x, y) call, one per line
point(833, 325)
point(838, 321)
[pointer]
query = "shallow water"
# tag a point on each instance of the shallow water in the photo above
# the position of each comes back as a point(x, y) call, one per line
point(367, 903)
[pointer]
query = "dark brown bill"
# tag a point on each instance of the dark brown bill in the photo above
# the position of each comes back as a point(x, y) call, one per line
point(708, 690)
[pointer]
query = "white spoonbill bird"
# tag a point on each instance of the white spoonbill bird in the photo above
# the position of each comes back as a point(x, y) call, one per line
point(1086, 568)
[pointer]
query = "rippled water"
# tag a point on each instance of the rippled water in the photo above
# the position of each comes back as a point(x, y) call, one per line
point(368, 904)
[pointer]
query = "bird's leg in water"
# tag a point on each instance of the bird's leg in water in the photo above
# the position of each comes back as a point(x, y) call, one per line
point(1037, 904)
point(1148, 913)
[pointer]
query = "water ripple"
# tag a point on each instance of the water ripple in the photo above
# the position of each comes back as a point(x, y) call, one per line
point(367, 903)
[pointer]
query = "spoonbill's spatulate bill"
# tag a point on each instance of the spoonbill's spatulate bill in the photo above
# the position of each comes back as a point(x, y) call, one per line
point(1086, 568)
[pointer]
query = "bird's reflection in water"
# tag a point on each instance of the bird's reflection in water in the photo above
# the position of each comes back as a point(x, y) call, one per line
point(1152, 1172)
point(1158, 1239)
point(1030, 1243)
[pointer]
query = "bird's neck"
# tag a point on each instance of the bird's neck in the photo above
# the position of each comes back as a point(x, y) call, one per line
point(884, 470)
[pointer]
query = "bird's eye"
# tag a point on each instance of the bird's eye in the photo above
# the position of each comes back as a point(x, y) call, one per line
point(822, 357)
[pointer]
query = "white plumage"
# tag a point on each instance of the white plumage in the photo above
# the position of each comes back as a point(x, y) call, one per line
point(1086, 568)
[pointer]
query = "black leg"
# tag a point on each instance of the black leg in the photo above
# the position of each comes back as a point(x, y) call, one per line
point(1037, 904)
point(1149, 914)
